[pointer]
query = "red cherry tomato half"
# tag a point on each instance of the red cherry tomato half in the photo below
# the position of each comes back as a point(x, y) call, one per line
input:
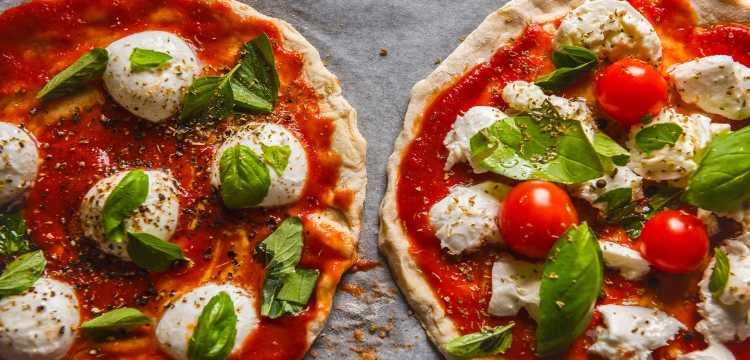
point(674, 241)
point(534, 215)
point(629, 90)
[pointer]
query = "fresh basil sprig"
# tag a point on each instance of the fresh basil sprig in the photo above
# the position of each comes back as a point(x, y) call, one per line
point(633, 215)
point(124, 199)
point(572, 63)
point(209, 98)
point(151, 253)
point(216, 331)
point(22, 273)
point(657, 136)
point(616, 198)
point(286, 288)
point(482, 343)
point(115, 322)
point(608, 148)
point(145, 59)
point(571, 283)
point(277, 157)
point(720, 273)
point(13, 236)
point(722, 181)
point(245, 179)
point(88, 67)
point(539, 145)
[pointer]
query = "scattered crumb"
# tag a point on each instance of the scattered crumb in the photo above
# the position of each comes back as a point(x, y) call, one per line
point(367, 353)
point(364, 265)
point(359, 335)
point(438, 61)
point(383, 52)
point(352, 289)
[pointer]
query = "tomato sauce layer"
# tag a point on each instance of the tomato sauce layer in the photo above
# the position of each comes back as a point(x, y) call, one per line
point(87, 137)
point(463, 284)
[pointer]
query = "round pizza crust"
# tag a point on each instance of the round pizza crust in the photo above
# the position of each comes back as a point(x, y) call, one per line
point(499, 29)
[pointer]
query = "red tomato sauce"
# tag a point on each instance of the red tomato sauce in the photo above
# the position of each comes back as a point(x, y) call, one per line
point(464, 283)
point(42, 38)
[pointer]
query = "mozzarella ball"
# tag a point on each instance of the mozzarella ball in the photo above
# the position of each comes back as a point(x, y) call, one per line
point(19, 161)
point(154, 94)
point(458, 140)
point(671, 162)
point(515, 285)
point(466, 219)
point(629, 262)
point(623, 177)
point(40, 324)
point(157, 215)
point(717, 84)
point(181, 317)
point(285, 188)
point(613, 29)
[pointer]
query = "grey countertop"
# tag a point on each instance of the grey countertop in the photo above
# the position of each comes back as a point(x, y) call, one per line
point(376, 324)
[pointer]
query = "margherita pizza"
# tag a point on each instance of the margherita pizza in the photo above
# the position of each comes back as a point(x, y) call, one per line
point(180, 180)
point(572, 182)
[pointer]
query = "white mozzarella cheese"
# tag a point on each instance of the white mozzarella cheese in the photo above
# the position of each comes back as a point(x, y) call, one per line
point(457, 141)
point(515, 285)
point(715, 351)
point(672, 162)
point(629, 262)
point(40, 324)
point(156, 94)
point(623, 177)
point(632, 332)
point(466, 219)
point(19, 161)
point(726, 318)
point(525, 96)
point(157, 215)
point(717, 84)
point(181, 317)
point(286, 188)
point(612, 29)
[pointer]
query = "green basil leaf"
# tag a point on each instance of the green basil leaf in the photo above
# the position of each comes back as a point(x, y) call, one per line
point(657, 136)
point(214, 336)
point(571, 283)
point(722, 181)
point(633, 215)
point(88, 67)
point(720, 273)
point(572, 56)
point(255, 86)
point(124, 199)
point(572, 63)
point(482, 343)
point(298, 286)
point(605, 146)
point(209, 99)
point(13, 236)
point(22, 273)
point(116, 321)
point(145, 59)
point(277, 157)
point(615, 198)
point(151, 253)
point(271, 307)
point(283, 248)
point(245, 179)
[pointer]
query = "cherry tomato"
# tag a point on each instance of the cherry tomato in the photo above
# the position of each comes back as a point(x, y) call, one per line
point(630, 89)
point(674, 241)
point(534, 215)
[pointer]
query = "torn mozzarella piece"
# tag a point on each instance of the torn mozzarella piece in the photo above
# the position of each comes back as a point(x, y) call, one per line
point(157, 215)
point(525, 96)
point(676, 161)
point(612, 29)
point(726, 318)
point(623, 177)
point(466, 219)
point(19, 162)
point(40, 324)
point(630, 263)
point(285, 188)
point(181, 317)
point(717, 84)
point(632, 332)
point(154, 94)
point(715, 351)
point(515, 285)
point(458, 140)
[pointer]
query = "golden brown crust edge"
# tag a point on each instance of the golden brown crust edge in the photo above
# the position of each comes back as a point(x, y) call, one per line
point(497, 30)
point(346, 141)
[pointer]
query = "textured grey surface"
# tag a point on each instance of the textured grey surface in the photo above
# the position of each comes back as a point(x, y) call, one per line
point(349, 35)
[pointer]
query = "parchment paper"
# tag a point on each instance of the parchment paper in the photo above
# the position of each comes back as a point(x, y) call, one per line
point(370, 319)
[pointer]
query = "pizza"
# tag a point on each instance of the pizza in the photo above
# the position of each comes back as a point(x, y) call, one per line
point(571, 182)
point(180, 180)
